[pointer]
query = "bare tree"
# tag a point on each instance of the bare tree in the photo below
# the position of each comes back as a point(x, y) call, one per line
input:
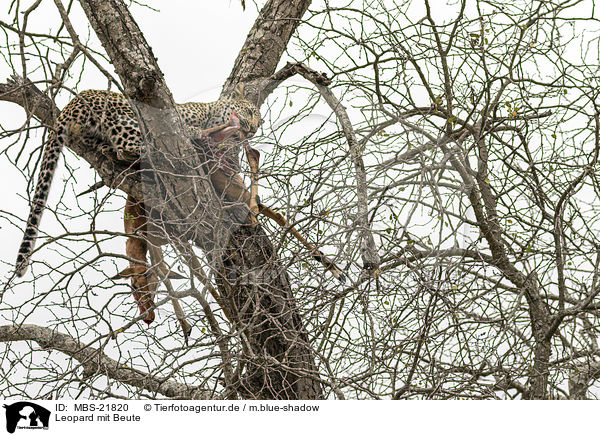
point(453, 175)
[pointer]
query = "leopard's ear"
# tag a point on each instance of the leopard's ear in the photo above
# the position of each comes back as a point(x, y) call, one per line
point(238, 92)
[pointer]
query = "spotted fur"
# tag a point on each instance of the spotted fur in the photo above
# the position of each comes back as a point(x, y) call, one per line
point(105, 119)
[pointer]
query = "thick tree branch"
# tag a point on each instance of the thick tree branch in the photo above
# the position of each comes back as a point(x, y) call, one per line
point(369, 254)
point(95, 362)
point(24, 93)
point(368, 250)
point(264, 46)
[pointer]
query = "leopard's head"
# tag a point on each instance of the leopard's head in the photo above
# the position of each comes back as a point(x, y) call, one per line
point(247, 113)
point(241, 113)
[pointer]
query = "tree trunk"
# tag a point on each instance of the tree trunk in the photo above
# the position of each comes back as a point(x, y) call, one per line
point(279, 361)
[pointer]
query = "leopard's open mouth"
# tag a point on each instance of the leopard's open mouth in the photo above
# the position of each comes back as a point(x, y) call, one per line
point(234, 127)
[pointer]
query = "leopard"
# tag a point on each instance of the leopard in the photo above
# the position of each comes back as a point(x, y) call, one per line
point(107, 120)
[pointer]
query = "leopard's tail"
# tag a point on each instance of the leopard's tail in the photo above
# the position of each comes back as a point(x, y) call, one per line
point(316, 254)
point(50, 159)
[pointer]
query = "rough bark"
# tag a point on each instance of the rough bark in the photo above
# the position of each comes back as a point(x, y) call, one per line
point(581, 378)
point(36, 103)
point(264, 46)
